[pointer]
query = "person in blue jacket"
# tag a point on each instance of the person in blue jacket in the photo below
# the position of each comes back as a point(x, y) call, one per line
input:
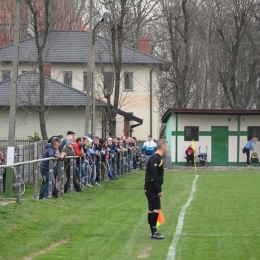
point(250, 146)
point(50, 151)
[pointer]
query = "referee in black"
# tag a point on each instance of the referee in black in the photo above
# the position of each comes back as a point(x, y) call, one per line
point(153, 186)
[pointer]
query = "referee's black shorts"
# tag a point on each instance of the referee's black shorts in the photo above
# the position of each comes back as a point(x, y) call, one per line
point(154, 201)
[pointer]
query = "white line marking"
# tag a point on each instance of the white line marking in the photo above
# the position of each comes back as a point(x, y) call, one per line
point(221, 235)
point(172, 248)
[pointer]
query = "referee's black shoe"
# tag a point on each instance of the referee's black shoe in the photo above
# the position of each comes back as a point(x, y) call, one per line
point(157, 235)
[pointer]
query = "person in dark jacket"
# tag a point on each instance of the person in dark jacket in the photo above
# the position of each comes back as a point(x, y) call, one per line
point(97, 148)
point(68, 149)
point(49, 151)
point(153, 186)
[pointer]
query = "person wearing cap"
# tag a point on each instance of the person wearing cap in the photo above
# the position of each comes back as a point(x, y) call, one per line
point(68, 149)
point(71, 136)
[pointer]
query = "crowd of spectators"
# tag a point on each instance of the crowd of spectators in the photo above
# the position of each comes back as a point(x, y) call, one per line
point(98, 160)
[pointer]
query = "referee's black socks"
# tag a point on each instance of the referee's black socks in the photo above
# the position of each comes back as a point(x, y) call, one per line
point(153, 222)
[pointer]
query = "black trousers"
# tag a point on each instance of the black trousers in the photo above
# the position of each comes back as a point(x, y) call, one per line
point(190, 158)
point(75, 181)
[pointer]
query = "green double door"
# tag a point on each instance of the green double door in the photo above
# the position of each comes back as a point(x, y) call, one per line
point(219, 145)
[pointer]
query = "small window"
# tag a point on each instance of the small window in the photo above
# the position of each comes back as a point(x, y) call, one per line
point(129, 76)
point(24, 71)
point(67, 78)
point(85, 81)
point(108, 80)
point(253, 131)
point(6, 74)
point(191, 133)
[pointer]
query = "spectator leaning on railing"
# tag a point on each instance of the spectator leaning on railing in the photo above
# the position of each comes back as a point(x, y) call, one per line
point(97, 148)
point(88, 161)
point(44, 167)
point(71, 136)
point(68, 149)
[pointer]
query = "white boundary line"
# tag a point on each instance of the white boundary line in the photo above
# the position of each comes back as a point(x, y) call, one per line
point(172, 248)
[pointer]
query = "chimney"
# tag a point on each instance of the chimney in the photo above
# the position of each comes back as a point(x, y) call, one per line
point(47, 69)
point(144, 45)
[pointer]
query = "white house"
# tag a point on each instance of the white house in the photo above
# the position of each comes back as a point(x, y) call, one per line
point(66, 58)
point(65, 108)
point(222, 133)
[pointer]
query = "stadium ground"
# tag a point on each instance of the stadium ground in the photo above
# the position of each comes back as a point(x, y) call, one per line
point(222, 220)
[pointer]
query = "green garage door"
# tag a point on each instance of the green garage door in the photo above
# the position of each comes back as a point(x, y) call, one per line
point(219, 142)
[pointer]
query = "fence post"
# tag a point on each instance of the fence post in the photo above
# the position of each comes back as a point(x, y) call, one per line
point(71, 174)
point(50, 178)
point(18, 180)
point(62, 178)
point(94, 173)
point(131, 161)
point(120, 162)
point(35, 181)
point(21, 158)
point(110, 163)
point(80, 172)
point(115, 164)
point(99, 170)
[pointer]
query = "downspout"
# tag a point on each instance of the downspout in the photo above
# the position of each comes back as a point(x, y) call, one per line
point(238, 138)
point(151, 101)
point(176, 139)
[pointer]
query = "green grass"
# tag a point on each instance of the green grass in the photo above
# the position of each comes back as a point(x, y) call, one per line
point(110, 222)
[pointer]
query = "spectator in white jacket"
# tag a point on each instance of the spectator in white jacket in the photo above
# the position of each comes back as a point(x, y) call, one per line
point(149, 147)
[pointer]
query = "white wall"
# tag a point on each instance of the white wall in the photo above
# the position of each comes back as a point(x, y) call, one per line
point(58, 123)
point(205, 122)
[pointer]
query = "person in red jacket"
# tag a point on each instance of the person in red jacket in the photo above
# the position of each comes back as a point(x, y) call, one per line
point(78, 150)
point(190, 155)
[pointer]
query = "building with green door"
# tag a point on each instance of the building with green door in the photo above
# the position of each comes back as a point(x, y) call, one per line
point(222, 133)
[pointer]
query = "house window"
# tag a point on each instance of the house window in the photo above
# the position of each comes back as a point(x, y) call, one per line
point(6, 74)
point(191, 133)
point(129, 76)
point(67, 78)
point(108, 80)
point(85, 81)
point(24, 71)
point(253, 131)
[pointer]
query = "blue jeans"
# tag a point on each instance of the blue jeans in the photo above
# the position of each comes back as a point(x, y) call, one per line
point(83, 172)
point(45, 183)
point(89, 169)
point(147, 157)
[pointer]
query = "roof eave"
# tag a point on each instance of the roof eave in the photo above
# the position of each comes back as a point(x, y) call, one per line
point(244, 112)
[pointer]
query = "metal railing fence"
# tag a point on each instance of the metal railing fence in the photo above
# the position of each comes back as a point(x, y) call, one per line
point(88, 171)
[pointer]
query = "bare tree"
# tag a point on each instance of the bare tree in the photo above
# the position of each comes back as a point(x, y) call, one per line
point(40, 40)
point(237, 45)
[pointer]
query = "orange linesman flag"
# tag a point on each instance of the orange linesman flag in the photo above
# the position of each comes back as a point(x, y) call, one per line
point(160, 219)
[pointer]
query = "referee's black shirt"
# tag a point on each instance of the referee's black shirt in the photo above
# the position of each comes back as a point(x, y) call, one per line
point(155, 171)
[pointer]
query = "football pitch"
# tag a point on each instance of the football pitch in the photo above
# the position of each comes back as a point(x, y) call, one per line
point(212, 215)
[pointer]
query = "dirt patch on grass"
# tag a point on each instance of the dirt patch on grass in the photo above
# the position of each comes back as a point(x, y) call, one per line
point(49, 248)
point(145, 253)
